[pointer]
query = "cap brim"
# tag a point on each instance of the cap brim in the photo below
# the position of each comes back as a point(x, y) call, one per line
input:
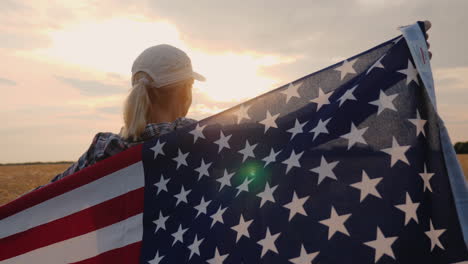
point(198, 77)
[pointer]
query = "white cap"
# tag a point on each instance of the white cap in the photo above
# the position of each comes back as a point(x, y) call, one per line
point(165, 64)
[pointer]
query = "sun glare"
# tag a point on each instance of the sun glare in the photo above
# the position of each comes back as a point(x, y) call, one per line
point(109, 46)
point(112, 45)
point(232, 76)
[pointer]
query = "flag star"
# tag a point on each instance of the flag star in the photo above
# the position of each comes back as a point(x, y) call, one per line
point(218, 216)
point(382, 245)
point(325, 169)
point(162, 184)
point(267, 194)
point(298, 128)
point(348, 95)
point(269, 121)
point(156, 259)
point(419, 123)
point(426, 177)
point(336, 223)
point(321, 99)
point(355, 136)
point(384, 102)
point(242, 228)
point(244, 186)
point(304, 258)
point(217, 258)
point(293, 160)
point(377, 64)
point(270, 158)
point(345, 68)
point(321, 128)
point(182, 196)
point(268, 243)
point(296, 206)
point(179, 235)
point(201, 208)
point(292, 91)
point(397, 152)
point(203, 169)
point(434, 235)
point(197, 132)
point(158, 149)
point(247, 151)
point(225, 180)
point(160, 222)
point(181, 159)
point(241, 113)
point(367, 186)
point(222, 142)
point(411, 73)
point(409, 208)
point(195, 246)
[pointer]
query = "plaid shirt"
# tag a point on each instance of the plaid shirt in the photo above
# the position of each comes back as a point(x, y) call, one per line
point(106, 144)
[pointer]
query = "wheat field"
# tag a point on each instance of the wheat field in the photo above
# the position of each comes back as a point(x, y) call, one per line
point(16, 180)
point(19, 179)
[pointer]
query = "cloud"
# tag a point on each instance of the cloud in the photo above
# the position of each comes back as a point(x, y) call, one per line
point(84, 116)
point(450, 86)
point(451, 79)
point(7, 82)
point(316, 28)
point(116, 76)
point(92, 87)
point(21, 41)
point(8, 6)
point(114, 110)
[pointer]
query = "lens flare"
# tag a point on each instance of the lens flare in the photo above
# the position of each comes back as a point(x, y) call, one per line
point(254, 170)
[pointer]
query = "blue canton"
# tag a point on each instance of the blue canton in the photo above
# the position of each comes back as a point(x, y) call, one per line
point(340, 166)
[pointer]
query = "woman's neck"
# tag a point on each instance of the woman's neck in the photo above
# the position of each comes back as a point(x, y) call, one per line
point(163, 115)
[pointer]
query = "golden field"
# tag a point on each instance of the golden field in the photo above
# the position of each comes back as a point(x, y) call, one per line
point(18, 179)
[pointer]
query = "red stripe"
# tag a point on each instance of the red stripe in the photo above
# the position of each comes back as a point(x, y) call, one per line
point(422, 55)
point(79, 223)
point(128, 255)
point(82, 177)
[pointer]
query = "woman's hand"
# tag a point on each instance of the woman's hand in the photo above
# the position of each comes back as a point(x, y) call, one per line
point(427, 26)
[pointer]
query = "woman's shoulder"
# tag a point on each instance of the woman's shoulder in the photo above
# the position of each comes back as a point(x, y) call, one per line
point(183, 121)
point(157, 129)
point(106, 144)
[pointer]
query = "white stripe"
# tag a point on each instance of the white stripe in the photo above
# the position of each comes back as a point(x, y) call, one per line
point(96, 192)
point(88, 245)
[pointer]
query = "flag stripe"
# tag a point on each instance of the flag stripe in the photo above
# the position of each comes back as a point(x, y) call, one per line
point(82, 222)
point(103, 189)
point(85, 176)
point(88, 245)
point(128, 254)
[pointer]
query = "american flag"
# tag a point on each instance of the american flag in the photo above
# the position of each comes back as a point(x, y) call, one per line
point(345, 165)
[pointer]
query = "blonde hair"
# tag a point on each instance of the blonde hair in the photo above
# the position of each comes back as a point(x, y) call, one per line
point(137, 106)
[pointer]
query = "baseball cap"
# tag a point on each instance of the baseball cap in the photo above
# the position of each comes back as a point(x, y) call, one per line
point(166, 64)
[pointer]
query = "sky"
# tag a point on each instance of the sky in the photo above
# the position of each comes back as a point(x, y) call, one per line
point(65, 68)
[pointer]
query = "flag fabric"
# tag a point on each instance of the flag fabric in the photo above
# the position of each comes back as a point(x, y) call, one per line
point(345, 165)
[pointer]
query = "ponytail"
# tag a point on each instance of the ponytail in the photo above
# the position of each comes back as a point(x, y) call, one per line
point(136, 110)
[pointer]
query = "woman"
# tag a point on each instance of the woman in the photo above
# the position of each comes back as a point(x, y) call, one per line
point(162, 79)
